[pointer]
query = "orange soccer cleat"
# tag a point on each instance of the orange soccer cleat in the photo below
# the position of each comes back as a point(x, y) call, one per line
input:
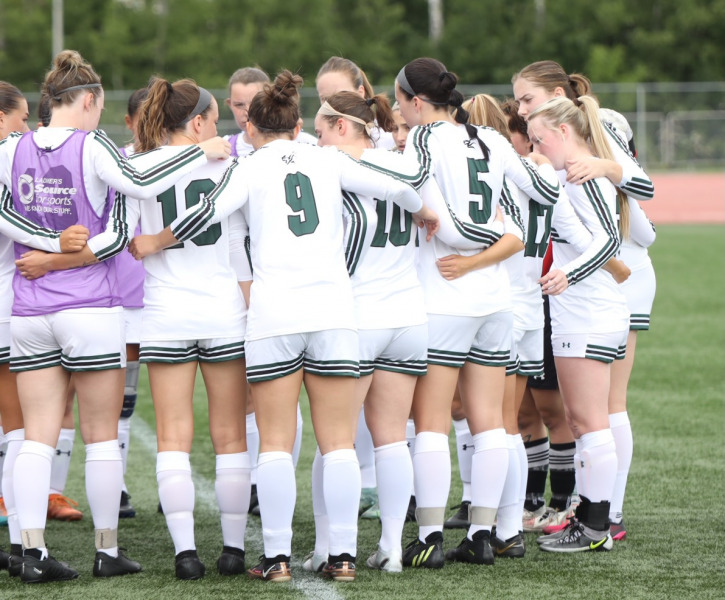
point(62, 508)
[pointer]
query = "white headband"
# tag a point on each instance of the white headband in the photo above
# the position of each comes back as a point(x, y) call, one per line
point(327, 110)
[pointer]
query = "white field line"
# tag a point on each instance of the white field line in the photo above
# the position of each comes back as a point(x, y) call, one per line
point(309, 584)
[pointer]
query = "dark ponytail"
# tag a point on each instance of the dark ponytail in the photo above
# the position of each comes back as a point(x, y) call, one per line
point(429, 79)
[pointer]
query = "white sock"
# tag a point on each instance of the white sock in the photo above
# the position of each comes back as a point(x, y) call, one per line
point(31, 480)
point(599, 465)
point(365, 452)
point(322, 524)
point(464, 449)
point(488, 473)
point(577, 465)
point(130, 394)
point(523, 469)
point(3, 453)
point(394, 478)
point(104, 479)
point(61, 461)
point(176, 492)
point(622, 433)
point(277, 492)
point(410, 439)
point(253, 445)
point(124, 439)
point(341, 484)
point(432, 473)
point(509, 519)
point(298, 438)
point(14, 441)
point(233, 489)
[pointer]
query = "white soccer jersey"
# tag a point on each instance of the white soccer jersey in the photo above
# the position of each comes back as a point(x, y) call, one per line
point(292, 198)
point(190, 290)
point(641, 235)
point(380, 246)
point(7, 270)
point(104, 166)
point(472, 186)
point(593, 302)
point(524, 267)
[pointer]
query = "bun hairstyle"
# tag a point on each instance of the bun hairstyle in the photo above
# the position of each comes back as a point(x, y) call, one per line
point(485, 110)
point(550, 75)
point(10, 97)
point(168, 108)
point(337, 64)
point(584, 120)
point(276, 109)
point(364, 115)
point(429, 80)
point(70, 76)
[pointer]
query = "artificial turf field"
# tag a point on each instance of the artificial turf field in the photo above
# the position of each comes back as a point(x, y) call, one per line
point(674, 507)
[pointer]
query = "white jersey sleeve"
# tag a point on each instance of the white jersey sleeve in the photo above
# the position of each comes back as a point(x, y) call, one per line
point(641, 229)
point(238, 246)
point(596, 207)
point(116, 171)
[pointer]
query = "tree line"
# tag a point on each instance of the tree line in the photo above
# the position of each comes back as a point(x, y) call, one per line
point(484, 42)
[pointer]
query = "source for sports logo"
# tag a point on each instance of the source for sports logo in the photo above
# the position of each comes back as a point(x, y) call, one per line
point(26, 188)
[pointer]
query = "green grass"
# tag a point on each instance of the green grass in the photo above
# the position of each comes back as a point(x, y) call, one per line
point(674, 504)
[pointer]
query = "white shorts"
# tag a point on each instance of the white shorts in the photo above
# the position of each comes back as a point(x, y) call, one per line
point(527, 353)
point(331, 352)
point(80, 339)
point(401, 350)
point(453, 340)
point(183, 351)
point(5, 342)
point(605, 347)
point(639, 290)
point(132, 317)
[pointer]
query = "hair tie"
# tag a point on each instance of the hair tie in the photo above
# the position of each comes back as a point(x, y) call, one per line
point(370, 101)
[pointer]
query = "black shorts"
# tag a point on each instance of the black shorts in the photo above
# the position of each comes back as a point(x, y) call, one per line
point(549, 380)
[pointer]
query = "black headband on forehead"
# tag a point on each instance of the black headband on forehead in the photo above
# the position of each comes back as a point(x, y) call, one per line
point(202, 104)
point(406, 87)
point(403, 83)
point(55, 94)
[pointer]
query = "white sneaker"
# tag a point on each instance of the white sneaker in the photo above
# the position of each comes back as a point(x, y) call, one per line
point(314, 562)
point(392, 561)
point(532, 518)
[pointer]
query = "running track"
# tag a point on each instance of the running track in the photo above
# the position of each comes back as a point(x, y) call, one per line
point(687, 198)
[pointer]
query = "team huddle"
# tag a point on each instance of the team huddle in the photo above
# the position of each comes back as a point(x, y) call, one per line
point(439, 260)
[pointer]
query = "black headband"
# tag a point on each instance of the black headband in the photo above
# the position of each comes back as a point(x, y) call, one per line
point(202, 104)
point(56, 94)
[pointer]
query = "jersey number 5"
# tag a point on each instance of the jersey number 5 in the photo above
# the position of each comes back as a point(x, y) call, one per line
point(480, 210)
point(193, 195)
point(301, 199)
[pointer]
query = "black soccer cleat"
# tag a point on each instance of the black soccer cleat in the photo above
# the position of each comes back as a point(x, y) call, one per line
point(511, 548)
point(459, 519)
point(105, 565)
point(428, 554)
point(188, 566)
point(35, 570)
point(126, 510)
point(477, 551)
point(231, 561)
